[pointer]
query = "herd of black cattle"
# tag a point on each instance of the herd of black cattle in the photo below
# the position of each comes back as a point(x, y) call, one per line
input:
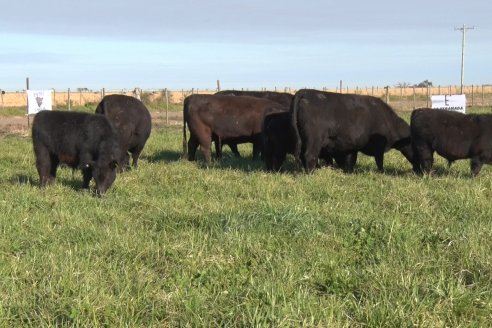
point(312, 125)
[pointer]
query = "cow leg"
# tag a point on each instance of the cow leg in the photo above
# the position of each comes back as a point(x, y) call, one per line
point(274, 159)
point(426, 157)
point(207, 152)
point(379, 161)
point(269, 157)
point(311, 157)
point(87, 176)
point(206, 147)
point(136, 155)
point(279, 159)
point(324, 155)
point(351, 160)
point(235, 150)
point(475, 166)
point(192, 147)
point(124, 158)
point(43, 165)
point(218, 146)
point(54, 165)
point(257, 148)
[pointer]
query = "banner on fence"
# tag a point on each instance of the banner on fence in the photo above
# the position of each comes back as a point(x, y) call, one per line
point(456, 103)
point(38, 100)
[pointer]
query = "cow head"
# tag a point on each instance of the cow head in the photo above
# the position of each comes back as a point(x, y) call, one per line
point(104, 173)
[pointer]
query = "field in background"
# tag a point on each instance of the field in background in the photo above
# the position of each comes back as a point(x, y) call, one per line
point(399, 98)
point(177, 244)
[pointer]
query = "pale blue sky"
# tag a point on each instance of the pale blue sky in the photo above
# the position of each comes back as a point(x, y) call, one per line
point(244, 44)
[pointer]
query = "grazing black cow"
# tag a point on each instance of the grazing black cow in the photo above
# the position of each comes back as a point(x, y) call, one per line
point(80, 140)
point(132, 122)
point(452, 135)
point(344, 124)
point(279, 140)
point(282, 98)
point(223, 118)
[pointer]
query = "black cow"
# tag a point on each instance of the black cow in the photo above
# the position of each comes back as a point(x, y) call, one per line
point(282, 98)
point(223, 118)
point(132, 122)
point(452, 135)
point(344, 124)
point(79, 140)
point(279, 140)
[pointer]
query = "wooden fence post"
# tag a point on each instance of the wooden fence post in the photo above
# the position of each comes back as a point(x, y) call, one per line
point(69, 102)
point(414, 105)
point(473, 96)
point(167, 106)
point(428, 95)
point(483, 104)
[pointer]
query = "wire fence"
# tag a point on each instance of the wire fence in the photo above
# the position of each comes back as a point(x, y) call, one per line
point(400, 98)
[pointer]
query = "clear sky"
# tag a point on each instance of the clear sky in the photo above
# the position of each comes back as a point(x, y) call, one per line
point(119, 44)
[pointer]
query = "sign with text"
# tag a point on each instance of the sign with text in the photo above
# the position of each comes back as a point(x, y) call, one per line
point(38, 100)
point(456, 103)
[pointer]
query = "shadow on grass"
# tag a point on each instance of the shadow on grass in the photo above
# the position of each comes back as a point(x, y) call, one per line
point(229, 162)
point(165, 156)
point(443, 171)
point(74, 181)
point(390, 170)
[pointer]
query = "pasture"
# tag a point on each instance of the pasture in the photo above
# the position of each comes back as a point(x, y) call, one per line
point(175, 243)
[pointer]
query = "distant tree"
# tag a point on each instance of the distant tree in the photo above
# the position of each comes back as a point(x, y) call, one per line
point(424, 84)
point(402, 85)
point(82, 89)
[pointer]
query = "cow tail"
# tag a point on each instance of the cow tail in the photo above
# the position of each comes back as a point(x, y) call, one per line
point(185, 118)
point(294, 108)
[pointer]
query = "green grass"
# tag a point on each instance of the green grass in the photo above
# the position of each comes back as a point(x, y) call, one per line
point(177, 244)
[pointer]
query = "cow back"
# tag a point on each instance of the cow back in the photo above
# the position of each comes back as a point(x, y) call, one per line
point(282, 98)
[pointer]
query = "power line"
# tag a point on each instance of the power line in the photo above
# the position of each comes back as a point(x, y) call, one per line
point(463, 30)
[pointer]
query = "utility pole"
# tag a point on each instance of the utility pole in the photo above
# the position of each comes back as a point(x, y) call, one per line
point(463, 30)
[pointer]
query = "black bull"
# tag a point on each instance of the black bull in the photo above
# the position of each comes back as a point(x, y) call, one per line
point(344, 124)
point(224, 118)
point(132, 122)
point(453, 136)
point(80, 140)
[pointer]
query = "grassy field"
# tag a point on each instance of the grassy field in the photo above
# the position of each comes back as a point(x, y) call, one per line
point(90, 108)
point(177, 244)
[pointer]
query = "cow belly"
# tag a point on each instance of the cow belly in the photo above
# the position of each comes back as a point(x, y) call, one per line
point(68, 159)
point(452, 149)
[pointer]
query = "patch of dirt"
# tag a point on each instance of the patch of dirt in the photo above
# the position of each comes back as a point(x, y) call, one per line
point(19, 124)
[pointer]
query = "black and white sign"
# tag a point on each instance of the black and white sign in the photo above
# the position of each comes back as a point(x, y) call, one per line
point(455, 103)
point(38, 100)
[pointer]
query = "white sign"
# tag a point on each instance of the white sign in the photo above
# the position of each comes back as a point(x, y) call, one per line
point(38, 100)
point(456, 103)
